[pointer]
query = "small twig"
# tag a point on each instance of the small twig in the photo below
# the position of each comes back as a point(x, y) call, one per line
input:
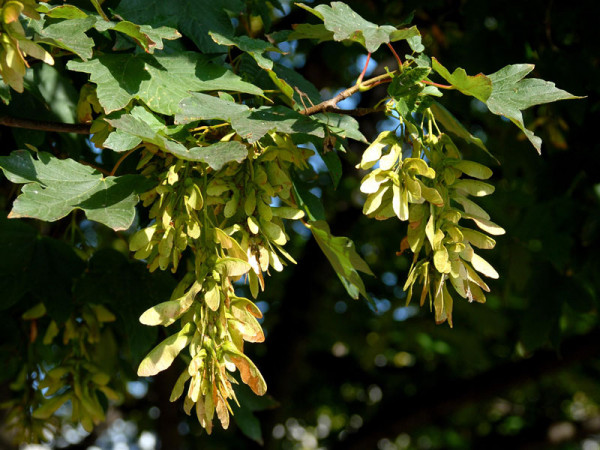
point(441, 86)
point(302, 95)
point(43, 125)
point(121, 159)
point(395, 55)
point(331, 103)
point(362, 74)
point(356, 112)
point(209, 127)
point(99, 10)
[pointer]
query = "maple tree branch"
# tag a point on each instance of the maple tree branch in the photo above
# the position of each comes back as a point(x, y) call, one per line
point(44, 125)
point(330, 105)
point(326, 106)
point(356, 112)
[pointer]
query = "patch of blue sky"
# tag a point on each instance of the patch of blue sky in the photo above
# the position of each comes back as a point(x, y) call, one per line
point(405, 312)
point(360, 64)
point(301, 230)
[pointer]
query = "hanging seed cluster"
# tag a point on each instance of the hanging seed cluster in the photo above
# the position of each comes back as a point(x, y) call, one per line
point(226, 218)
point(421, 178)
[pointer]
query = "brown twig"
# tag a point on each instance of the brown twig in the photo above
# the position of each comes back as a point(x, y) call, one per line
point(326, 106)
point(43, 125)
point(121, 159)
point(329, 105)
point(356, 112)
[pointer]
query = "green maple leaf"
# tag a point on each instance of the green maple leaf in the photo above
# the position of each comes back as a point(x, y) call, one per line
point(478, 86)
point(250, 124)
point(451, 124)
point(148, 38)
point(161, 82)
point(309, 31)
point(141, 125)
point(53, 188)
point(193, 19)
point(254, 47)
point(71, 35)
point(511, 94)
point(68, 34)
point(345, 24)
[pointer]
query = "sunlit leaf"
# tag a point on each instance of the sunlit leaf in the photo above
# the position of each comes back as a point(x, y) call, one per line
point(511, 93)
point(346, 24)
point(478, 86)
point(160, 81)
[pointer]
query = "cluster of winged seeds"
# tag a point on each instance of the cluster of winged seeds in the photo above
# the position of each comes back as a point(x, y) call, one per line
point(227, 219)
point(421, 179)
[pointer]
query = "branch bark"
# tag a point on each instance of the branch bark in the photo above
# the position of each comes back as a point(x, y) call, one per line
point(331, 104)
point(326, 106)
point(43, 125)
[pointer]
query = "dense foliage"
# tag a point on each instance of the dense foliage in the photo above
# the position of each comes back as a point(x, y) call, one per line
point(206, 155)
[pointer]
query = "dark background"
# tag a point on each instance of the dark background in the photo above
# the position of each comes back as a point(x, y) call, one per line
point(522, 370)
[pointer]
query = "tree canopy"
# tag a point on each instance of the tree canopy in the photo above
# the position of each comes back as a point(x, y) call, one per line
point(301, 225)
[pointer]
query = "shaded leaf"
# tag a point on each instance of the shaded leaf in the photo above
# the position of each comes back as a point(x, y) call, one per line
point(35, 268)
point(68, 34)
point(53, 188)
point(343, 257)
point(128, 289)
point(192, 19)
point(297, 82)
point(451, 124)
point(248, 423)
point(254, 47)
point(307, 201)
point(250, 124)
